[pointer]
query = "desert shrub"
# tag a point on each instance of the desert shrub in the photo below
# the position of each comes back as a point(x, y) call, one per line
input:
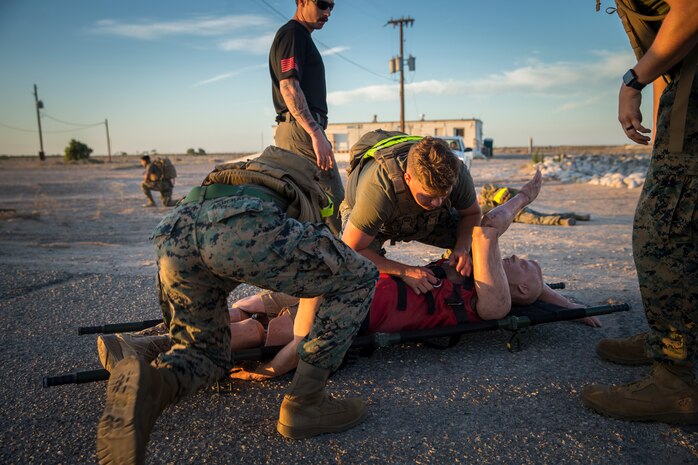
point(191, 151)
point(76, 150)
point(201, 151)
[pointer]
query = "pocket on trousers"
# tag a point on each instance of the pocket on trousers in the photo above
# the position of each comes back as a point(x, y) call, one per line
point(326, 248)
point(166, 226)
point(231, 207)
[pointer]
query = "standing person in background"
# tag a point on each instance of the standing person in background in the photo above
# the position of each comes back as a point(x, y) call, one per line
point(665, 232)
point(300, 96)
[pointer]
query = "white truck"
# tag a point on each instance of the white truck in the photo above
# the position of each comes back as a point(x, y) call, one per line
point(458, 147)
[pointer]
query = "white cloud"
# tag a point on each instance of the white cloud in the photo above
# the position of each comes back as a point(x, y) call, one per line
point(259, 44)
point(224, 76)
point(332, 51)
point(201, 26)
point(535, 76)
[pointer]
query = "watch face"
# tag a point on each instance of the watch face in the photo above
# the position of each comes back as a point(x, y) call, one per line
point(629, 77)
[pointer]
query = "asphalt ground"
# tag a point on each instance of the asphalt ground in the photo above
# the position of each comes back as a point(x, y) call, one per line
point(86, 260)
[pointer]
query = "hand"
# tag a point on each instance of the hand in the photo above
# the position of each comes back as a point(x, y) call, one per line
point(245, 372)
point(324, 157)
point(420, 279)
point(630, 116)
point(590, 321)
point(532, 188)
point(460, 259)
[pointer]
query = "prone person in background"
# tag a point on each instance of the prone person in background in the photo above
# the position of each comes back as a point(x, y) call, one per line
point(492, 195)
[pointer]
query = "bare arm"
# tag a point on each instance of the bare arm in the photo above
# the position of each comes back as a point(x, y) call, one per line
point(287, 358)
point(298, 106)
point(549, 295)
point(419, 278)
point(675, 39)
point(460, 256)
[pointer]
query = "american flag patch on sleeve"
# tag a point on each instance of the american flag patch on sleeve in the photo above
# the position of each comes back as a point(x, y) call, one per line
point(287, 64)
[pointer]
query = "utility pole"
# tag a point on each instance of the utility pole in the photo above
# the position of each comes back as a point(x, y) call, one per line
point(39, 105)
point(401, 60)
point(106, 125)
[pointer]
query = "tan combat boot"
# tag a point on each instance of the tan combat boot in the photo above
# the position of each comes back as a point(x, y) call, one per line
point(307, 411)
point(113, 348)
point(626, 351)
point(668, 395)
point(137, 394)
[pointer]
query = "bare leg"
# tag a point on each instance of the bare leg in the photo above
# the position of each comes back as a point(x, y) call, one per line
point(287, 358)
point(493, 295)
point(501, 217)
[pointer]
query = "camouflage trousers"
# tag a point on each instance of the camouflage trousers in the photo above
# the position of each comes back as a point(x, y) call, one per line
point(665, 239)
point(204, 250)
point(531, 216)
point(163, 186)
point(292, 137)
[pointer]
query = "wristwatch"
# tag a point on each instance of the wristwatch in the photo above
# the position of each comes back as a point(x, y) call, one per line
point(630, 80)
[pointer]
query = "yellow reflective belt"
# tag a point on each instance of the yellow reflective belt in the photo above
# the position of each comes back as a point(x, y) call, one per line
point(499, 195)
point(329, 209)
point(390, 141)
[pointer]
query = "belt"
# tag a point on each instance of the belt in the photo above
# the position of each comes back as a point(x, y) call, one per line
point(287, 117)
point(214, 191)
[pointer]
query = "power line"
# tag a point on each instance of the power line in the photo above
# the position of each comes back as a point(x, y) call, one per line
point(33, 131)
point(46, 115)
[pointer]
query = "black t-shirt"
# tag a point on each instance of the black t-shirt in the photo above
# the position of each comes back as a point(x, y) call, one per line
point(293, 54)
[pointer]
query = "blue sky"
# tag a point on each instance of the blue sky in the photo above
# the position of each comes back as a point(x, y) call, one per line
point(169, 75)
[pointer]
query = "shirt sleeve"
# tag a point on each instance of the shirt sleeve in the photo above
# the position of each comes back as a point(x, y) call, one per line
point(289, 55)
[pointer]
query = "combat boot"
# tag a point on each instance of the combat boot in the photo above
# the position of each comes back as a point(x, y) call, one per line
point(582, 217)
point(307, 411)
point(625, 351)
point(567, 222)
point(137, 394)
point(668, 395)
point(113, 348)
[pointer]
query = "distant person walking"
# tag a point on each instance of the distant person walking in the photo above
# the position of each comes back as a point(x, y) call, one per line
point(300, 96)
point(664, 35)
point(159, 176)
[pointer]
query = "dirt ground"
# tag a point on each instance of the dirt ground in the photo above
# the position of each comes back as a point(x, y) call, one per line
point(74, 250)
point(88, 219)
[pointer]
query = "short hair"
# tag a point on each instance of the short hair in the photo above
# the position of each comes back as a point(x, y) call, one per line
point(146, 158)
point(433, 163)
point(535, 289)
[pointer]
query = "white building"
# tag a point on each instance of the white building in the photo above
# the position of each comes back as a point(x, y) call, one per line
point(344, 135)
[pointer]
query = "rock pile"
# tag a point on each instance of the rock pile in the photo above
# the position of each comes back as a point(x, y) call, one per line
point(623, 171)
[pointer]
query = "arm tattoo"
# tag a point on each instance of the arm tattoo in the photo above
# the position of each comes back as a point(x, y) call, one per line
point(295, 101)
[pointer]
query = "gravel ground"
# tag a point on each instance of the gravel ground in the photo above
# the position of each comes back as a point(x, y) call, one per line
point(75, 252)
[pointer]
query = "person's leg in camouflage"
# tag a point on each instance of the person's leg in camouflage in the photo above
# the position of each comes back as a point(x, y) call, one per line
point(239, 239)
point(146, 187)
point(665, 236)
point(292, 137)
point(530, 216)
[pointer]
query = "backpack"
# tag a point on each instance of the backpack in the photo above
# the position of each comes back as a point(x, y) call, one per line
point(166, 167)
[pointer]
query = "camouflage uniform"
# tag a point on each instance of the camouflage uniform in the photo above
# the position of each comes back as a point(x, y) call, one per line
point(164, 186)
point(665, 237)
point(526, 215)
point(206, 248)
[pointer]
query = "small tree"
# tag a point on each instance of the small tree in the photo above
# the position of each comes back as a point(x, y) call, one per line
point(76, 150)
point(191, 151)
point(201, 151)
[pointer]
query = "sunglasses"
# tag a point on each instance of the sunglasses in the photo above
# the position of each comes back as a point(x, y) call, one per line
point(323, 5)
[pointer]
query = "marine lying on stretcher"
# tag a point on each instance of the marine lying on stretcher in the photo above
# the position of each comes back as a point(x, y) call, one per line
point(496, 284)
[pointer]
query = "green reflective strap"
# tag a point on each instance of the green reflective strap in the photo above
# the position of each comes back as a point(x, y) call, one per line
point(329, 209)
point(390, 141)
